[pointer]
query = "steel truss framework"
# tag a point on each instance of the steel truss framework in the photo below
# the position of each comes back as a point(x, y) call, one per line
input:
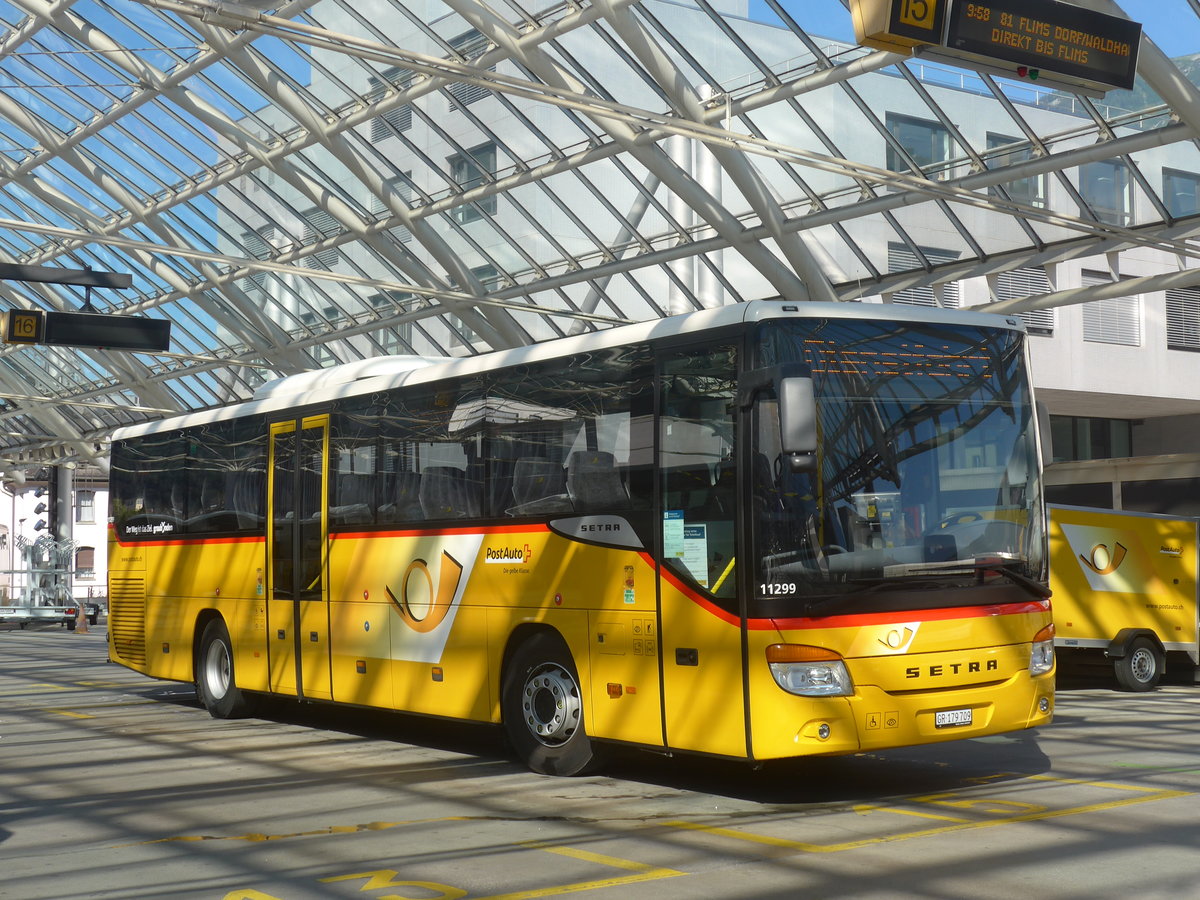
point(329, 180)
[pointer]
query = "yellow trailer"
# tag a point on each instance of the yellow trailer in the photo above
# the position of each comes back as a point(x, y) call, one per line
point(1125, 583)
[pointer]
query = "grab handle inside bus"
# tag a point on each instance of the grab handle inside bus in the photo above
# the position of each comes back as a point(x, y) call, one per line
point(793, 386)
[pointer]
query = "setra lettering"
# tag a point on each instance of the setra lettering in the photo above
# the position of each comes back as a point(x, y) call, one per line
point(941, 670)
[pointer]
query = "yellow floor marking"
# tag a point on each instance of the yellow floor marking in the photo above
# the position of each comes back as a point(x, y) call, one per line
point(643, 873)
point(1149, 795)
point(332, 829)
point(105, 684)
point(864, 808)
point(69, 713)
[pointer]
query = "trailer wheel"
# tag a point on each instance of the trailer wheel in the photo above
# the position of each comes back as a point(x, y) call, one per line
point(542, 708)
point(216, 685)
point(1141, 667)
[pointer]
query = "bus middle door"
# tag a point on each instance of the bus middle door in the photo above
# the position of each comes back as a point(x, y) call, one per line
point(701, 632)
point(297, 545)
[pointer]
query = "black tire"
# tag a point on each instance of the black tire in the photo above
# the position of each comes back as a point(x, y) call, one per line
point(216, 685)
point(70, 623)
point(1141, 668)
point(542, 707)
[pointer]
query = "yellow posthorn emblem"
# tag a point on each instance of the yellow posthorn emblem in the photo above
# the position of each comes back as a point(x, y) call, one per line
point(1107, 563)
point(420, 606)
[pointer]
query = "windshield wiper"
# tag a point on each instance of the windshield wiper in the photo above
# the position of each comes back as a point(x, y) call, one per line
point(1004, 566)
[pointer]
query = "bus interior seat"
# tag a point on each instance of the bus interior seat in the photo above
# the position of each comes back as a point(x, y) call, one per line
point(593, 481)
point(243, 492)
point(689, 489)
point(405, 503)
point(723, 497)
point(539, 486)
point(354, 500)
point(447, 494)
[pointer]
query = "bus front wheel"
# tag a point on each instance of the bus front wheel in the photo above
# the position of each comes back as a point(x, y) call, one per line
point(215, 683)
point(542, 707)
point(1141, 667)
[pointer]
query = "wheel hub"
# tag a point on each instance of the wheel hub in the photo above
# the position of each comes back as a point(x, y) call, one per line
point(1142, 665)
point(216, 670)
point(551, 705)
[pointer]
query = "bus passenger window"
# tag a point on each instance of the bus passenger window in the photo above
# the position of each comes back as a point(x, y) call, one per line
point(697, 467)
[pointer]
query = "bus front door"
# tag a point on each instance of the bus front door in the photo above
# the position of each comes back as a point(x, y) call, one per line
point(297, 545)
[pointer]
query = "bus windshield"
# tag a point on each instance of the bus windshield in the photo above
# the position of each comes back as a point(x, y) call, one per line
point(926, 472)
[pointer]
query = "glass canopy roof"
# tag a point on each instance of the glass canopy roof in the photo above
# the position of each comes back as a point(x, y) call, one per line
point(300, 185)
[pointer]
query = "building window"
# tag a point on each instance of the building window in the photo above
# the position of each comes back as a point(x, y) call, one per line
point(902, 258)
point(85, 506)
point(259, 245)
point(1030, 191)
point(318, 225)
point(1183, 319)
point(398, 119)
point(395, 339)
point(1181, 192)
point(470, 46)
point(85, 563)
point(1106, 189)
point(400, 186)
point(1027, 281)
point(1117, 320)
point(925, 141)
point(470, 170)
point(1081, 437)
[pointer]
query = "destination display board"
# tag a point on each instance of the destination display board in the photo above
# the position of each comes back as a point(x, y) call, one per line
point(1058, 43)
point(1048, 35)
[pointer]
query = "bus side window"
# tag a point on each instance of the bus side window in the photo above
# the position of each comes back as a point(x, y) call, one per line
point(697, 466)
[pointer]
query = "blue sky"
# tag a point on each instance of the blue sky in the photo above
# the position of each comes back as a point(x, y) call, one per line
point(1163, 20)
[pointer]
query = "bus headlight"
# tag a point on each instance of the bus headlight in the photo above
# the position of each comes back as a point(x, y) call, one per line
point(1041, 659)
point(809, 671)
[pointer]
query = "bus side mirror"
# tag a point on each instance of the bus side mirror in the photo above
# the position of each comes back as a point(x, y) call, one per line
point(798, 422)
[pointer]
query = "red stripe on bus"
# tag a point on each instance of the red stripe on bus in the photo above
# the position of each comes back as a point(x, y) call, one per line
point(911, 615)
point(434, 532)
point(856, 620)
point(171, 542)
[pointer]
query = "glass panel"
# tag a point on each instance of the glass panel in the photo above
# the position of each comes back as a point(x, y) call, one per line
point(1105, 188)
point(926, 141)
point(1181, 192)
point(697, 467)
point(1030, 191)
point(283, 508)
point(311, 537)
point(927, 461)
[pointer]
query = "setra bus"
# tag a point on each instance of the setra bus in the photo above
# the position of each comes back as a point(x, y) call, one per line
point(762, 531)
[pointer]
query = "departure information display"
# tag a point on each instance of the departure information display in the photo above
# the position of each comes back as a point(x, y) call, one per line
point(1064, 45)
point(1042, 34)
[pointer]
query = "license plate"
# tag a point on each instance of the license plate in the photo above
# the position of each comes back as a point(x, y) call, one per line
point(952, 718)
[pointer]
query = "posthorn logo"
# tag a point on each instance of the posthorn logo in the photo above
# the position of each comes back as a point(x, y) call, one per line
point(1104, 561)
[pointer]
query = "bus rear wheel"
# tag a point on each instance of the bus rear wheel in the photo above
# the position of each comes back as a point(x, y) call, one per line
point(1141, 667)
point(215, 683)
point(542, 707)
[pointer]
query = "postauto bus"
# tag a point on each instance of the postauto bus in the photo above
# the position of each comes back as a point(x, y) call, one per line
point(763, 531)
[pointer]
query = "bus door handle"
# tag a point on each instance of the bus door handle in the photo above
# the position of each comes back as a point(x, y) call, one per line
point(687, 656)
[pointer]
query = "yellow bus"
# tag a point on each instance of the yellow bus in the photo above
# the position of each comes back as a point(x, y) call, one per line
point(757, 532)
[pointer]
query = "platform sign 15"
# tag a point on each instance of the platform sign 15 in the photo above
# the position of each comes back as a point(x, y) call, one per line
point(898, 25)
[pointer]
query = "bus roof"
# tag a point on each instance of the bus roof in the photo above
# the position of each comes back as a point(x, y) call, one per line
point(382, 373)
